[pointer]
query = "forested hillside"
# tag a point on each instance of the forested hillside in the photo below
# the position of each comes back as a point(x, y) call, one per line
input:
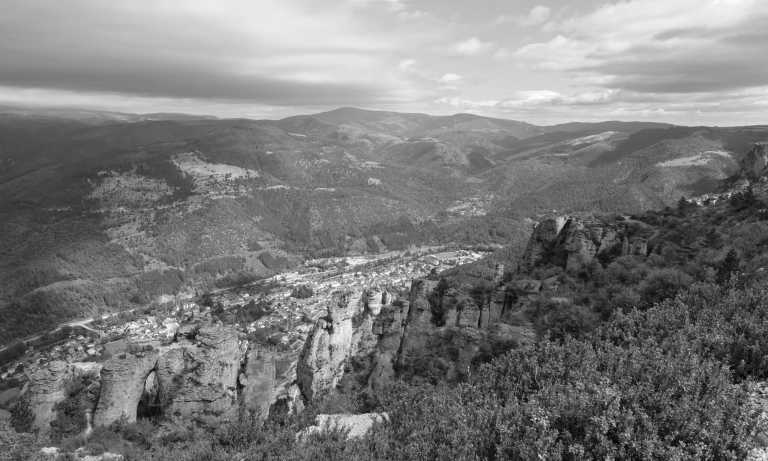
point(650, 345)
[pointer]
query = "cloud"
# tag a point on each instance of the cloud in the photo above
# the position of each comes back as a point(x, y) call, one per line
point(406, 64)
point(682, 46)
point(466, 104)
point(537, 16)
point(450, 78)
point(298, 53)
point(473, 46)
point(502, 54)
point(538, 98)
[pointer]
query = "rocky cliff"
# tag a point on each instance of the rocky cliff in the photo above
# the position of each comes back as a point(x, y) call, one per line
point(206, 373)
point(348, 330)
point(574, 242)
point(755, 164)
point(441, 329)
point(433, 329)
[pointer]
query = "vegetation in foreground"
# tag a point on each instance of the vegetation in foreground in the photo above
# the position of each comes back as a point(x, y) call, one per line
point(670, 382)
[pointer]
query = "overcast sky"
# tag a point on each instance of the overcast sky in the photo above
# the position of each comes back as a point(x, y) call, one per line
point(683, 61)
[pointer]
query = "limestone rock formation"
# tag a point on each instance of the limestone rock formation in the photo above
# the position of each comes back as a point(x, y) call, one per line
point(329, 345)
point(544, 235)
point(196, 376)
point(259, 381)
point(45, 391)
point(356, 425)
point(755, 163)
point(418, 321)
point(47, 388)
point(572, 243)
point(207, 385)
point(122, 385)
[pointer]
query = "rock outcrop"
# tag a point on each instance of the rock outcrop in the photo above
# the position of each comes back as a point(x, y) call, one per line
point(572, 243)
point(755, 164)
point(201, 380)
point(329, 345)
point(194, 377)
point(418, 322)
point(205, 375)
point(388, 328)
point(355, 426)
point(258, 381)
point(544, 235)
point(122, 385)
point(47, 388)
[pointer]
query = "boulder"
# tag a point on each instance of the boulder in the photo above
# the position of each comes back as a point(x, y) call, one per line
point(356, 426)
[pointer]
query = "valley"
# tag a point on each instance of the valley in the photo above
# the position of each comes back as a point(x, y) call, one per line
point(109, 214)
point(187, 273)
point(274, 314)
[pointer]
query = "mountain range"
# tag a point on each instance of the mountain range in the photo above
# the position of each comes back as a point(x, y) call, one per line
point(103, 211)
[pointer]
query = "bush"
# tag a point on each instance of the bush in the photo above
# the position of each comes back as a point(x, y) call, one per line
point(661, 284)
point(70, 412)
point(22, 417)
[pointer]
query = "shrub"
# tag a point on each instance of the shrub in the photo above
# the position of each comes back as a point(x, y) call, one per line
point(22, 417)
point(661, 284)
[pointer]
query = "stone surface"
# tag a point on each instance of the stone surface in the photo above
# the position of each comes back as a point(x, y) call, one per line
point(418, 322)
point(388, 327)
point(543, 236)
point(755, 163)
point(329, 345)
point(201, 380)
point(259, 381)
point(356, 425)
point(580, 239)
point(46, 389)
point(122, 384)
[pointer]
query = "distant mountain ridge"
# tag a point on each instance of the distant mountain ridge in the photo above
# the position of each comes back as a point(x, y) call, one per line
point(112, 214)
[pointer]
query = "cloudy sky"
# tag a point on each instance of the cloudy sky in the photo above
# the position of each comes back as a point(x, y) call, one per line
point(543, 61)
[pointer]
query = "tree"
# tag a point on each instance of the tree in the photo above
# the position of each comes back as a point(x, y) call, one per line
point(728, 266)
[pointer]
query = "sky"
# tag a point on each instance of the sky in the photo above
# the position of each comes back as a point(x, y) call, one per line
point(692, 62)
